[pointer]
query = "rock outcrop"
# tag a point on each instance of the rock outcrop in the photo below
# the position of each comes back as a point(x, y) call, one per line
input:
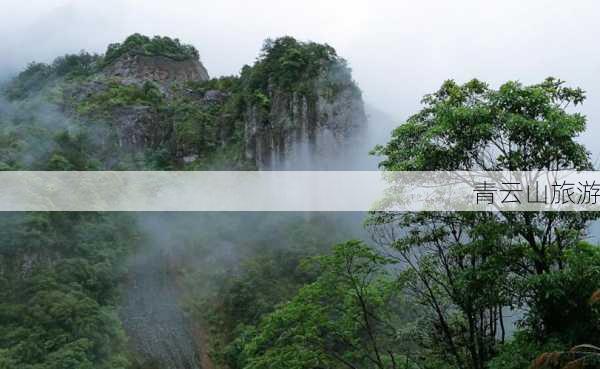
point(300, 112)
point(305, 131)
point(162, 70)
point(158, 329)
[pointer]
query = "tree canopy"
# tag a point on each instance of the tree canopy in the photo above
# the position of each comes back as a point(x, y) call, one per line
point(469, 269)
point(138, 44)
point(474, 127)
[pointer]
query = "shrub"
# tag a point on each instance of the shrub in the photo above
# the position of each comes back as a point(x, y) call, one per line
point(143, 45)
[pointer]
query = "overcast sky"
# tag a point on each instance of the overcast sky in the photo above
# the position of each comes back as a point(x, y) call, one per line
point(398, 50)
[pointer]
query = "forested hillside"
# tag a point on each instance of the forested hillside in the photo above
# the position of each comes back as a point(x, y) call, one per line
point(256, 291)
point(70, 280)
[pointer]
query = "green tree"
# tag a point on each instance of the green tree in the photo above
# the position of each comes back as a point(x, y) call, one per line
point(583, 356)
point(138, 44)
point(58, 290)
point(345, 319)
point(453, 256)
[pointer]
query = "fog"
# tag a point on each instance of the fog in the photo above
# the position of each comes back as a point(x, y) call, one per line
point(398, 50)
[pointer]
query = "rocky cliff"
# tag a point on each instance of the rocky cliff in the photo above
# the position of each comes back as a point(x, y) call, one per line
point(304, 108)
point(164, 71)
point(294, 108)
point(148, 103)
point(304, 131)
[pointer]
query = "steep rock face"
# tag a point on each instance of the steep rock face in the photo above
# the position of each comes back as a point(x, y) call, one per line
point(137, 125)
point(158, 329)
point(164, 71)
point(297, 107)
point(303, 131)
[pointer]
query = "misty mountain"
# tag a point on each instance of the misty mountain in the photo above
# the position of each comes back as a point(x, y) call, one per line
point(149, 103)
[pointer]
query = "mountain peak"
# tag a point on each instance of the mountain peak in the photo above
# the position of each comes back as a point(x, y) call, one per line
point(162, 60)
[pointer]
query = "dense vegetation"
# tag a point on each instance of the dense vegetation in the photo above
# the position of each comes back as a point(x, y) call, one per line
point(288, 64)
point(275, 251)
point(60, 272)
point(35, 135)
point(343, 318)
point(439, 294)
point(433, 296)
point(38, 76)
point(179, 122)
point(59, 290)
point(137, 44)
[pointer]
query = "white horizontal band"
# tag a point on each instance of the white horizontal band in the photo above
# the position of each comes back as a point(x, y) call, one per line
point(299, 191)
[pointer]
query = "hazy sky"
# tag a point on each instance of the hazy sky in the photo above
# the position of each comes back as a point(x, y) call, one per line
point(398, 50)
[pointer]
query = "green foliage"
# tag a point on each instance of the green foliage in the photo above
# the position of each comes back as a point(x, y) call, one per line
point(524, 348)
point(182, 129)
point(195, 127)
point(58, 299)
point(458, 267)
point(288, 65)
point(73, 152)
point(527, 126)
point(343, 317)
point(118, 95)
point(466, 267)
point(9, 146)
point(228, 84)
point(138, 44)
point(227, 296)
point(259, 285)
point(38, 76)
point(520, 351)
point(213, 132)
point(61, 271)
point(76, 65)
point(286, 62)
point(352, 308)
point(561, 299)
point(37, 137)
point(33, 78)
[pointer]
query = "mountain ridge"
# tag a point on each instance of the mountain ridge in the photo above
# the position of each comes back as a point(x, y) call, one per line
point(157, 104)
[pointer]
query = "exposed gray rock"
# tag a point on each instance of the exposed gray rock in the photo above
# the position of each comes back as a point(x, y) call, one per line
point(157, 327)
point(190, 158)
point(305, 131)
point(138, 127)
point(299, 130)
point(215, 96)
point(165, 72)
